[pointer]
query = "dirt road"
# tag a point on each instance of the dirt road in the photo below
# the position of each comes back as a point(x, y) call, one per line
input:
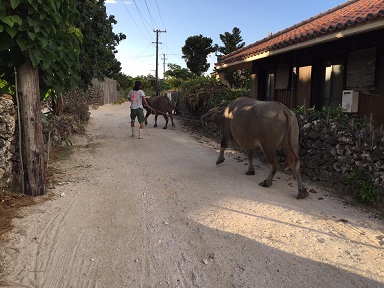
point(158, 212)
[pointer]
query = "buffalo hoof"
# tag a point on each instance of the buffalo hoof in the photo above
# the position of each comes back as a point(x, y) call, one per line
point(303, 193)
point(264, 184)
point(165, 127)
point(155, 125)
point(250, 173)
point(146, 123)
point(173, 125)
point(219, 161)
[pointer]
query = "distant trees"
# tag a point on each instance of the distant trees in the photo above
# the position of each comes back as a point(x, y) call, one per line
point(197, 48)
point(195, 52)
point(175, 75)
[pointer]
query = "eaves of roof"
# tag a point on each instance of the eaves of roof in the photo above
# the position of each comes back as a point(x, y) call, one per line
point(349, 18)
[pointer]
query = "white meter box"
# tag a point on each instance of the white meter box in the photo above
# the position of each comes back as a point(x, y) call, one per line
point(350, 101)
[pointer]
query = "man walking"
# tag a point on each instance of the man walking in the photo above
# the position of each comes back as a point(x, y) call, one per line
point(137, 97)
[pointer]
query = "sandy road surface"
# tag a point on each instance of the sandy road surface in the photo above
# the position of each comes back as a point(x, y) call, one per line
point(158, 212)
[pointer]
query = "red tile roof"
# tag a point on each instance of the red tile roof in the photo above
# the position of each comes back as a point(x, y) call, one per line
point(342, 17)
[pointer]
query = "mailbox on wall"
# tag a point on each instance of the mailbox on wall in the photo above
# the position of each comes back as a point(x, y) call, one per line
point(350, 101)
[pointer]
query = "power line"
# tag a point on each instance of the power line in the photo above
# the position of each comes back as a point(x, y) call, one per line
point(133, 19)
point(161, 18)
point(149, 12)
point(142, 17)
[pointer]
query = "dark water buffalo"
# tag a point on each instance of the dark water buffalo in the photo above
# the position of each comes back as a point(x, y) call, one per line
point(265, 125)
point(161, 105)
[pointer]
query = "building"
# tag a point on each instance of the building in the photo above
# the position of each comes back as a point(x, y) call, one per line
point(334, 58)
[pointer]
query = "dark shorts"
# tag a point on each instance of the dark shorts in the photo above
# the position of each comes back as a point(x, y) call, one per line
point(137, 113)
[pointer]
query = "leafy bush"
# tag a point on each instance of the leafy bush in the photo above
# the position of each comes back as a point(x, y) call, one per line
point(362, 186)
point(330, 114)
point(201, 94)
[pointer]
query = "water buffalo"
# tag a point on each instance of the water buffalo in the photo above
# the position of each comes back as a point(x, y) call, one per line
point(265, 125)
point(161, 105)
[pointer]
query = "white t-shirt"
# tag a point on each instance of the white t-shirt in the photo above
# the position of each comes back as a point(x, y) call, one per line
point(136, 98)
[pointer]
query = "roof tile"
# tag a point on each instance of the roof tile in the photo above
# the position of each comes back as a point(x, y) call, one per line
point(341, 17)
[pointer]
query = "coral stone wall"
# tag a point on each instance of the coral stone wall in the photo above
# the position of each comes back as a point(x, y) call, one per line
point(329, 153)
point(7, 140)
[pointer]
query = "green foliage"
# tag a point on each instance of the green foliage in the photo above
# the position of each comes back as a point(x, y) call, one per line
point(175, 71)
point(238, 78)
point(330, 114)
point(203, 93)
point(363, 187)
point(71, 42)
point(232, 41)
point(175, 76)
point(124, 82)
point(98, 48)
point(195, 52)
point(64, 140)
point(6, 88)
point(42, 31)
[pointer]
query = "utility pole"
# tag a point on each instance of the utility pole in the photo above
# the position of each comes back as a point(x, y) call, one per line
point(164, 64)
point(157, 31)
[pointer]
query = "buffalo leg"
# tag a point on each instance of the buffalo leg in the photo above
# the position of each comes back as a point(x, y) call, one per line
point(173, 124)
point(155, 120)
point(270, 155)
point(224, 145)
point(166, 121)
point(302, 190)
point(146, 117)
point(251, 168)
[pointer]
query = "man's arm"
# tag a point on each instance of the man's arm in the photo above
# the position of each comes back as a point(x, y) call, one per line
point(145, 102)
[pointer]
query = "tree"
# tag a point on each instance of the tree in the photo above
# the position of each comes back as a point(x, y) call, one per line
point(41, 43)
point(175, 71)
point(124, 82)
point(195, 52)
point(175, 75)
point(98, 48)
point(232, 42)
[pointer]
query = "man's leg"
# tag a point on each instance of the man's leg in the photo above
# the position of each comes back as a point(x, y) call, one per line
point(140, 116)
point(133, 128)
point(133, 116)
point(141, 131)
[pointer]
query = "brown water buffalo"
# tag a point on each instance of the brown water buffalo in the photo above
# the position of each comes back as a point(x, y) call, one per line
point(161, 105)
point(265, 125)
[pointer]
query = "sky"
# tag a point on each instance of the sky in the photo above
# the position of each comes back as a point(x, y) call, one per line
point(180, 19)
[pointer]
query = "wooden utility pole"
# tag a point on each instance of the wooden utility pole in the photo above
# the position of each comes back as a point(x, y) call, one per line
point(157, 59)
point(164, 64)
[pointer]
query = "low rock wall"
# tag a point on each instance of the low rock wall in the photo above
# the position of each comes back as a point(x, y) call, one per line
point(329, 154)
point(7, 140)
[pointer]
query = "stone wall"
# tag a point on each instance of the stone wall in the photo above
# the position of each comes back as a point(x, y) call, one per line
point(330, 152)
point(8, 118)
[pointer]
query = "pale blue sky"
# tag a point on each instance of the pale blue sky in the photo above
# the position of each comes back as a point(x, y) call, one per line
point(137, 19)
